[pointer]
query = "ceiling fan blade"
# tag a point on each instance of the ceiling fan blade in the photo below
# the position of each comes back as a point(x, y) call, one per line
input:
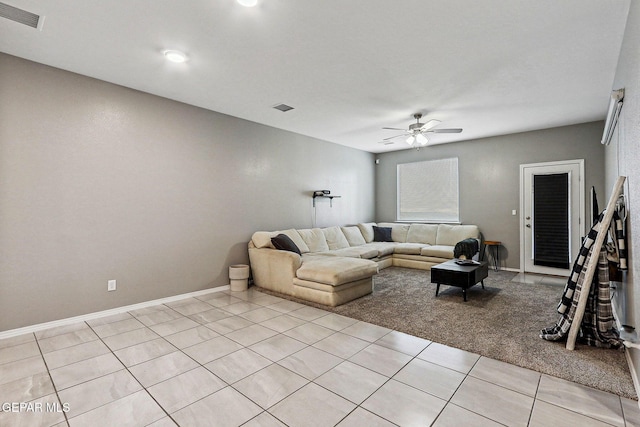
point(392, 137)
point(430, 124)
point(394, 128)
point(384, 142)
point(444, 130)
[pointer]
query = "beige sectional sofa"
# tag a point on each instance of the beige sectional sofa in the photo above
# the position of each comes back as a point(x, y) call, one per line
point(337, 264)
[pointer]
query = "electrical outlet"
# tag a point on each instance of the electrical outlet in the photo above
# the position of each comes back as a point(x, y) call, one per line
point(513, 212)
point(111, 285)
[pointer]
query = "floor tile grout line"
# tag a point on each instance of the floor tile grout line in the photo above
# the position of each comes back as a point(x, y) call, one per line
point(449, 402)
point(263, 412)
point(55, 388)
point(624, 420)
point(77, 345)
point(476, 413)
point(16, 345)
point(501, 385)
point(137, 380)
point(61, 333)
point(274, 404)
point(535, 399)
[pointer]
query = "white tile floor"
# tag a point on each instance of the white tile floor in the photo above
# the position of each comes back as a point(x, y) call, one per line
point(231, 359)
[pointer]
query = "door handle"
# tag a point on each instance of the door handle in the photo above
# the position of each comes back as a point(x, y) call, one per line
point(528, 218)
point(528, 225)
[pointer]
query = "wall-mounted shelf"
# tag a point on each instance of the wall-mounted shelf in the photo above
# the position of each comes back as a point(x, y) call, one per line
point(324, 194)
point(330, 197)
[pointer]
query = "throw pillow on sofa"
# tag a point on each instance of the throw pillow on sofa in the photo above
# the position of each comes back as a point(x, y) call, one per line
point(382, 234)
point(284, 243)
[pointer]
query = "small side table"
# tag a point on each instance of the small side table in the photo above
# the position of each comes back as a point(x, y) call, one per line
point(494, 252)
point(463, 276)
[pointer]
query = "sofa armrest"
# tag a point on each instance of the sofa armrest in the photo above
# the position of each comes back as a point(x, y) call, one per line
point(274, 269)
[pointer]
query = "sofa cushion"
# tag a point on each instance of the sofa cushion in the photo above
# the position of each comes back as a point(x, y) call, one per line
point(382, 234)
point(314, 238)
point(284, 243)
point(353, 235)
point(383, 248)
point(335, 238)
point(262, 239)
point(422, 233)
point(336, 270)
point(409, 248)
point(295, 237)
point(438, 251)
point(366, 228)
point(452, 234)
point(346, 252)
point(363, 252)
point(398, 231)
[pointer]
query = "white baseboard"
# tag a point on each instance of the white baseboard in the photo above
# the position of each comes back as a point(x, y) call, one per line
point(627, 353)
point(61, 322)
point(634, 372)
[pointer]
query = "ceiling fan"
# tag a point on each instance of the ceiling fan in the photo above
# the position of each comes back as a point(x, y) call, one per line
point(417, 132)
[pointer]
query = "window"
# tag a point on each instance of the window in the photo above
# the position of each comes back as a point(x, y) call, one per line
point(428, 191)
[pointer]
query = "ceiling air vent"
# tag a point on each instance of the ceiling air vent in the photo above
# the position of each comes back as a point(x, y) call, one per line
point(283, 107)
point(19, 15)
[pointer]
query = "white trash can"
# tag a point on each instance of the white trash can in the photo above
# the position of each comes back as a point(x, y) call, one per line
point(239, 277)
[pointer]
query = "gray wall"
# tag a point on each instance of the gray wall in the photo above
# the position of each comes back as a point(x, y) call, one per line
point(101, 182)
point(623, 158)
point(489, 176)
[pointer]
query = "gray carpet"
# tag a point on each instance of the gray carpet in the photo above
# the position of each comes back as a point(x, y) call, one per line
point(501, 322)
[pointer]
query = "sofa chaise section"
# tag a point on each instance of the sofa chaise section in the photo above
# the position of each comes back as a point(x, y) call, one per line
point(334, 280)
point(314, 275)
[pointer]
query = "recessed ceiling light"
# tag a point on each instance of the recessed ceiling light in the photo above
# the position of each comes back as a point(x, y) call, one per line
point(175, 56)
point(248, 3)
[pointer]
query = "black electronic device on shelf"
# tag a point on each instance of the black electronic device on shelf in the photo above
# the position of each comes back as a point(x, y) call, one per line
point(323, 193)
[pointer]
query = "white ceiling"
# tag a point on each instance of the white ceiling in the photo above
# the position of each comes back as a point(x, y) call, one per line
point(349, 67)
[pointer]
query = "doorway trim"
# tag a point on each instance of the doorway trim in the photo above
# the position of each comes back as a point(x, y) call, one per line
point(581, 206)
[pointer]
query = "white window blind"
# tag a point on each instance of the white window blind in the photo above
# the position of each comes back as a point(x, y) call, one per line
point(428, 191)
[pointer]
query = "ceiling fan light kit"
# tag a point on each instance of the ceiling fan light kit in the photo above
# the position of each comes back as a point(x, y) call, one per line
point(418, 139)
